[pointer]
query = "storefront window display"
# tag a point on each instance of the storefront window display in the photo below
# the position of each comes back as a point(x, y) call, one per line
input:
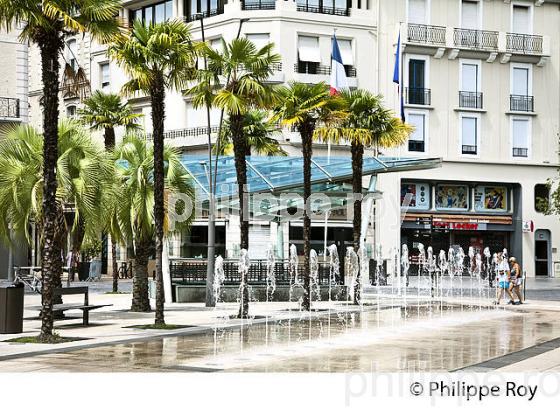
point(415, 196)
point(452, 197)
point(491, 199)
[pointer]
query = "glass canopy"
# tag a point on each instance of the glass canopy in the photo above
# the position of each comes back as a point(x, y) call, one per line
point(281, 174)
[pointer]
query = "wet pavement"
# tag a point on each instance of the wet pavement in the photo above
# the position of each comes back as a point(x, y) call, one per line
point(420, 338)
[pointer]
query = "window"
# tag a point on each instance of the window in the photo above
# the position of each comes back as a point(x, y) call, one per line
point(521, 84)
point(521, 19)
point(309, 55)
point(207, 8)
point(105, 76)
point(469, 135)
point(470, 14)
point(71, 111)
point(259, 40)
point(335, 7)
point(520, 128)
point(71, 54)
point(417, 93)
point(153, 13)
point(417, 11)
point(542, 198)
point(469, 96)
point(417, 140)
point(345, 47)
point(217, 45)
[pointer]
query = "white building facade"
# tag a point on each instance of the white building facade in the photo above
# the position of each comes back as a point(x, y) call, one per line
point(480, 82)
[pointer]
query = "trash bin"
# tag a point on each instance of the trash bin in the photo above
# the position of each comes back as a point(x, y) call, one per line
point(11, 307)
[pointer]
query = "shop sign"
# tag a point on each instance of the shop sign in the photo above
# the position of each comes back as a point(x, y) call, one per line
point(459, 226)
point(528, 226)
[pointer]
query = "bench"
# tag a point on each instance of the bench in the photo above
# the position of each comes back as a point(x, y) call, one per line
point(85, 307)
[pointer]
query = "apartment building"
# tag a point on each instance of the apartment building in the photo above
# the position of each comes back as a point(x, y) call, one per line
point(480, 84)
point(13, 110)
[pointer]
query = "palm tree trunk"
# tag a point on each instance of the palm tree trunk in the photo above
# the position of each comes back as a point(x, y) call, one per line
point(50, 46)
point(140, 299)
point(307, 152)
point(357, 171)
point(109, 138)
point(239, 150)
point(115, 266)
point(158, 115)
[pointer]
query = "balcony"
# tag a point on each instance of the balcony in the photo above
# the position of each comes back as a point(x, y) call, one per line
point(187, 132)
point(524, 44)
point(521, 103)
point(9, 108)
point(520, 152)
point(424, 34)
point(469, 149)
point(207, 13)
point(258, 5)
point(304, 67)
point(472, 100)
point(334, 11)
point(475, 39)
point(416, 146)
point(418, 96)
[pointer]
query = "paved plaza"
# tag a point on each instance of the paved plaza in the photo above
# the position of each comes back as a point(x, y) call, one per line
point(450, 334)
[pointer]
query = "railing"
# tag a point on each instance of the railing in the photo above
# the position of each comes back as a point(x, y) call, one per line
point(524, 43)
point(521, 152)
point(335, 11)
point(186, 132)
point(469, 149)
point(9, 107)
point(258, 5)
point(419, 96)
point(207, 13)
point(521, 103)
point(191, 272)
point(424, 34)
point(475, 39)
point(315, 68)
point(468, 99)
point(416, 146)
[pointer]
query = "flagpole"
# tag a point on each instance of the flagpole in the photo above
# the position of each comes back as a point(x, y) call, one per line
point(329, 140)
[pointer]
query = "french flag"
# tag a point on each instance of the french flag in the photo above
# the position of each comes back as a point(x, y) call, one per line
point(338, 75)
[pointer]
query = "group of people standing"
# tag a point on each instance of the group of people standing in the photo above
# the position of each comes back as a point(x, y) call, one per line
point(509, 279)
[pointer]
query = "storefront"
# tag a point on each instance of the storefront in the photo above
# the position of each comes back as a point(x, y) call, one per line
point(446, 214)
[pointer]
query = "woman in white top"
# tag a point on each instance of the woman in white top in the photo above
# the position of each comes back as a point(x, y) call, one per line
point(502, 277)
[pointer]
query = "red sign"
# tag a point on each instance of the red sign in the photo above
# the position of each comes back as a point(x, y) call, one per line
point(461, 226)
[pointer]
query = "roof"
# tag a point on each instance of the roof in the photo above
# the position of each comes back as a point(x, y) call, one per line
point(282, 174)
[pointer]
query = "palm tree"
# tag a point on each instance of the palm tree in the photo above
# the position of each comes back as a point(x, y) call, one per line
point(134, 211)
point(105, 112)
point(306, 107)
point(246, 70)
point(258, 131)
point(157, 57)
point(45, 23)
point(368, 124)
point(82, 169)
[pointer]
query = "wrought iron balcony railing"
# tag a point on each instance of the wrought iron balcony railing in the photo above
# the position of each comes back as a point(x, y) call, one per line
point(416, 146)
point(469, 149)
point(335, 11)
point(523, 103)
point(524, 43)
point(419, 96)
point(475, 39)
point(424, 34)
point(207, 13)
point(9, 107)
point(521, 152)
point(304, 67)
point(468, 99)
point(186, 132)
point(258, 5)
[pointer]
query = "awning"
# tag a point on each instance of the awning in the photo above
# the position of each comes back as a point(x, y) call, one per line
point(345, 47)
point(259, 39)
point(308, 49)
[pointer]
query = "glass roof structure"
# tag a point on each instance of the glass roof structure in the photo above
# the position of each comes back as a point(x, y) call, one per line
point(285, 174)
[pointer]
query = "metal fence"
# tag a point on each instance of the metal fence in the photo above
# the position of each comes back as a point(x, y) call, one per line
point(424, 34)
point(258, 5)
point(469, 99)
point(9, 107)
point(521, 103)
point(524, 43)
point(476, 39)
